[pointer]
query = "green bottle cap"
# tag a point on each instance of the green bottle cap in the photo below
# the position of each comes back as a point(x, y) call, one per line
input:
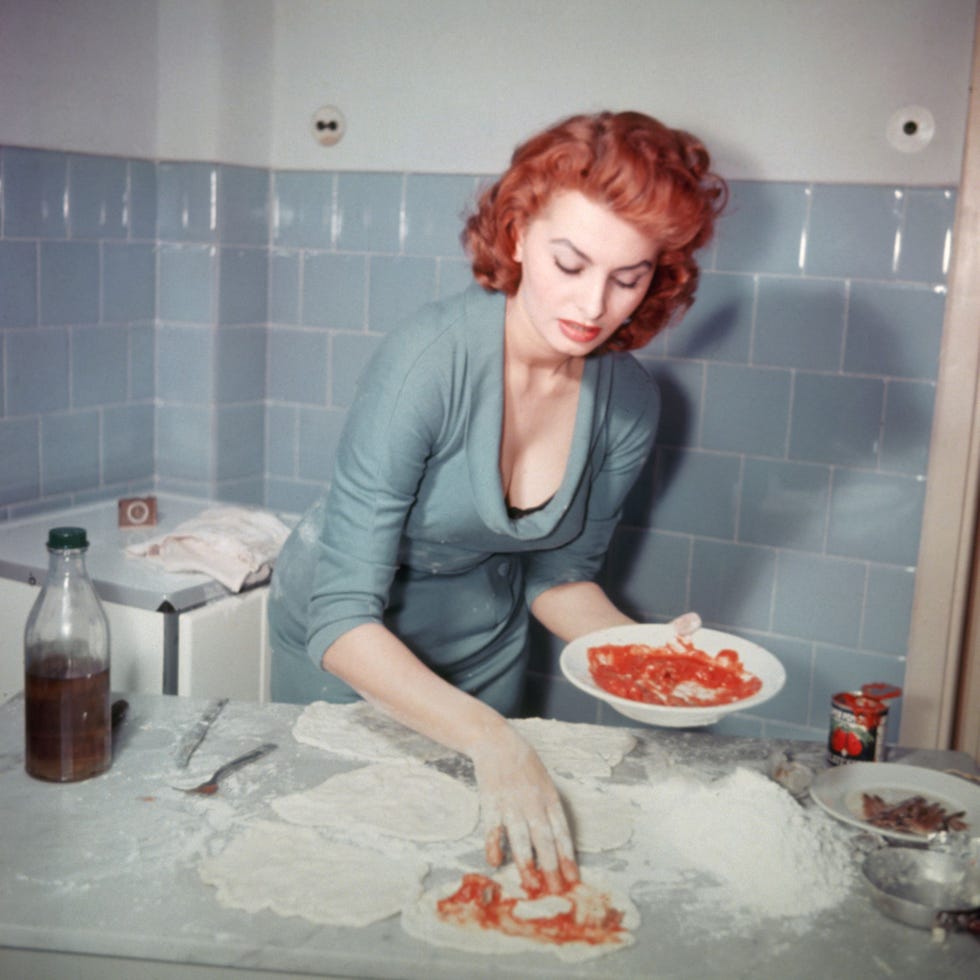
point(67, 537)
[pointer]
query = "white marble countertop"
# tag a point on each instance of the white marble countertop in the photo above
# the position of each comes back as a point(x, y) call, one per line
point(108, 868)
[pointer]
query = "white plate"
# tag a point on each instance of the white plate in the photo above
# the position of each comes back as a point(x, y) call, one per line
point(839, 791)
point(575, 666)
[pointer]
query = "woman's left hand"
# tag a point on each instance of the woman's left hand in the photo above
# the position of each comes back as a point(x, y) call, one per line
point(519, 802)
point(520, 805)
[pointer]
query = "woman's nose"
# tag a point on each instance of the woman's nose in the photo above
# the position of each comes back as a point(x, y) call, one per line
point(592, 301)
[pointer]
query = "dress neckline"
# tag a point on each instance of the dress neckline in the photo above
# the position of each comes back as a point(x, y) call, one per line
point(516, 513)
point(484, 339)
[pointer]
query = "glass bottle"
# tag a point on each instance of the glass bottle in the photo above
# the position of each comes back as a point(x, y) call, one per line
point(67, 701)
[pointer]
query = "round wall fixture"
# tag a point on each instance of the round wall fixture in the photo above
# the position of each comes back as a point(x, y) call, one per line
point(329, 125)
point(911, 129)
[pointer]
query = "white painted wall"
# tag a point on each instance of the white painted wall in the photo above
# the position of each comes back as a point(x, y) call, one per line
point(780, 89)
point(215, 86)
point(161, 79)
point(79, 75)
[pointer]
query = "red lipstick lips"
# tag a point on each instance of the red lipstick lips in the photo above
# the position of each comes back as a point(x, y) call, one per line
point(579, 332)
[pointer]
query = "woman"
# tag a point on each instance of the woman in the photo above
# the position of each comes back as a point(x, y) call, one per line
point(487, 456)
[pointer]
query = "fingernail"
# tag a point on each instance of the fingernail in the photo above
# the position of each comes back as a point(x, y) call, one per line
point(569, 871)
point(531, 881)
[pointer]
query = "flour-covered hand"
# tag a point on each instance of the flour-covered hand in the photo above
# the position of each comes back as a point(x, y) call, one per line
point(520, 806)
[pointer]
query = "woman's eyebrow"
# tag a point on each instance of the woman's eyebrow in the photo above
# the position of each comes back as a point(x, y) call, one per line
point(643, 263)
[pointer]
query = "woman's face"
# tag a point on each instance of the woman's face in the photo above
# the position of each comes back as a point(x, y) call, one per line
point(584, 270)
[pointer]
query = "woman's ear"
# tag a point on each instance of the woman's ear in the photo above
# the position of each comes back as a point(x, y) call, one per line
point(518, 255)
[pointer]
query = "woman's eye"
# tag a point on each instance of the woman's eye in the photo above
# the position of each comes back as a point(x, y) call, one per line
point(576, 270)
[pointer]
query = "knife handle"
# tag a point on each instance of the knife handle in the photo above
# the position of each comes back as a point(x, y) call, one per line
point(242, 760)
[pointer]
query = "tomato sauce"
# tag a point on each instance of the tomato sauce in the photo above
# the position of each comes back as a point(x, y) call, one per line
point(480, 901)
point(685, 678)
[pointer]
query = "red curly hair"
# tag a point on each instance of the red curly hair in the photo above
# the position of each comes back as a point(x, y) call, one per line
point(656, 178)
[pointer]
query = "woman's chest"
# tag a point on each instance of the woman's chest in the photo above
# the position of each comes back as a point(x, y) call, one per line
point(460, 505)
point(537, 433)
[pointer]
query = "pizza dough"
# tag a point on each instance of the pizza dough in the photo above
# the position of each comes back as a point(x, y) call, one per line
point(576, 749)
point(600, 816)
point(297, 871)
point(359, 731)
point(407, 800)
point(421, 919)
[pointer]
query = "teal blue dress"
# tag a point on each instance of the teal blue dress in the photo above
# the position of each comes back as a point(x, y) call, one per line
point(415, 532)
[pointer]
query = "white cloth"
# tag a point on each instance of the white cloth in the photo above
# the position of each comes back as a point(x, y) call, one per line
point(237, 546)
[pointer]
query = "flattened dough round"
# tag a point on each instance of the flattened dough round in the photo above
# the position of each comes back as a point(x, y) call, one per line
point(405, 800)
point(575, 749)
point(296, 871)
point(421, 920)
point(359, 731)
point(599, 816)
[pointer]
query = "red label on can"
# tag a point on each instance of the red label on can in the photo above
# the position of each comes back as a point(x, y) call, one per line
point(857, 728)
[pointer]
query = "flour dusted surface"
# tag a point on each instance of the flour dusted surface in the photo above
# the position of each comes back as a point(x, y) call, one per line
point(690, 848)
point(756, 855)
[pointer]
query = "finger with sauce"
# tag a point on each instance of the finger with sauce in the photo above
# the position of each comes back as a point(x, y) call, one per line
point(523, 811)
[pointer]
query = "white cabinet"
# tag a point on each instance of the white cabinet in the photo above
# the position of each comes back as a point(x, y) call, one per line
point(169, 633)
point(224, 648)
point(220, 649)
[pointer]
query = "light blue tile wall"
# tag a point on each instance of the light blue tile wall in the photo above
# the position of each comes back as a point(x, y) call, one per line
point(213, 310)
point(351, 255)
point(200, 327)
point(792, 458)
point(77, 309)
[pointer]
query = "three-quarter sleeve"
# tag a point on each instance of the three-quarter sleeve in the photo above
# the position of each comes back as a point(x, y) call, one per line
point(380, 462)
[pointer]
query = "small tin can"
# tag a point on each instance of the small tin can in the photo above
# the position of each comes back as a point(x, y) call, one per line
point(858, 722)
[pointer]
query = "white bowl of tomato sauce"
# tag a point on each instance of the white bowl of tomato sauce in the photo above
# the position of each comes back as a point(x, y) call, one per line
point(649, 674)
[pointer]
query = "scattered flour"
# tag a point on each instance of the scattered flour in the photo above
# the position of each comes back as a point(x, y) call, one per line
point(755, 852)
point(687, 845)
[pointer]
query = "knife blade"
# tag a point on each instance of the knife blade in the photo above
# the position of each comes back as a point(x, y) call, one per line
point(195, 736)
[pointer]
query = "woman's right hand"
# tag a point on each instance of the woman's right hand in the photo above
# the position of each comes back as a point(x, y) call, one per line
point(520, 806)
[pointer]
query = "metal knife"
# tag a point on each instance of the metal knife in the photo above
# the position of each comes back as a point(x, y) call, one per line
point(196, 735)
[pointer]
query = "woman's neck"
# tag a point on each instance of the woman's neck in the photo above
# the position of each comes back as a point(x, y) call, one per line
point(529, 361)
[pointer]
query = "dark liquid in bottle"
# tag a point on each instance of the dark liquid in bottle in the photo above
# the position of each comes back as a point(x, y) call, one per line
point(67, 718)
